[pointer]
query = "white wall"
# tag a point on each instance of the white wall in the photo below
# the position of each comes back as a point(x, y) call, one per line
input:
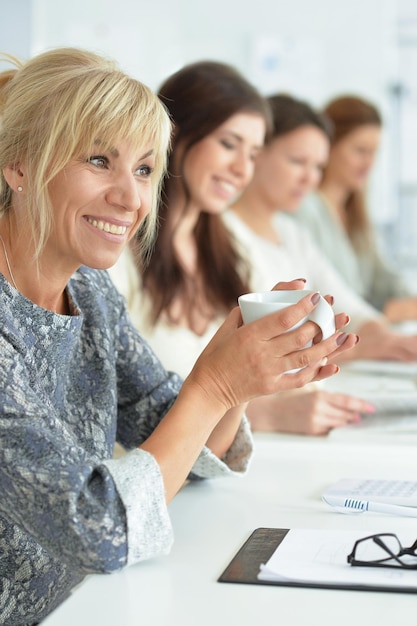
point(312, 48)
point(319, 47)
point(16, 27)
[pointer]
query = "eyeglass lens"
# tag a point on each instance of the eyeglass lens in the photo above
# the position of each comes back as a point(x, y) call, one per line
point(377, 548)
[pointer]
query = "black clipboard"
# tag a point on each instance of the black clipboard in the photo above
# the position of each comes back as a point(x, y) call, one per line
point(259, 547)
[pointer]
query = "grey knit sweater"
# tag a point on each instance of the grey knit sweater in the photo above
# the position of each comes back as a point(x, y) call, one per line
point(70, 386)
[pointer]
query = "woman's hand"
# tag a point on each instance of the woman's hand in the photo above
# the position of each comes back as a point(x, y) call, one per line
point(401, 309)
point(306, 411)
point(240, 363)
point(245, 361)
point(378, 341)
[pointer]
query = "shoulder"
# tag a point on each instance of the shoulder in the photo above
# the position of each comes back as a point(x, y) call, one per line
point(287, 227)
point(237, 227)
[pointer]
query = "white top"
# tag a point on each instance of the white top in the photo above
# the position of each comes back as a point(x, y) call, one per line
point(177, 347)
point(367, 272)
point(297, 257)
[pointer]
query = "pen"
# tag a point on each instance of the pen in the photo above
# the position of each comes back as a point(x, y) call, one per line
point(352, 505)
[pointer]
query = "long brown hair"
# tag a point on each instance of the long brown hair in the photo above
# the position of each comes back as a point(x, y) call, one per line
point(347, 113)
point(199, 98)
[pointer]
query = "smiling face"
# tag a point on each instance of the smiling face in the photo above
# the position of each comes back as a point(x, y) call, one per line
point(290, 166)
point(98, 203)
point(218, 167)
point(353, 156)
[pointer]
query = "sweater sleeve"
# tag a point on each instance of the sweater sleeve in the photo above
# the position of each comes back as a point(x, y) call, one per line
point(137, 418)
point(96, 515)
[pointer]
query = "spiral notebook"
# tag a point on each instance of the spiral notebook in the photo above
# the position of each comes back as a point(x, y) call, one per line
point(386, 491)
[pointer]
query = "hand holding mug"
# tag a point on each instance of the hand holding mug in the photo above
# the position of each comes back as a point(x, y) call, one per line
point(244, 361)
point(258, 304)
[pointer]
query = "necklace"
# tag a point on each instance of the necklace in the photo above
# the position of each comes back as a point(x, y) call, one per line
point(8, 263)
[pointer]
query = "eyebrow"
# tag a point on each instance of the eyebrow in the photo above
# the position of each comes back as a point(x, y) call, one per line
point(116, 154)
point(241, 139)
point(144, 156)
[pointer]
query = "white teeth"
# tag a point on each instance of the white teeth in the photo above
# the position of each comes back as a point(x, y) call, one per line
point(226, 185)
point(108, 228)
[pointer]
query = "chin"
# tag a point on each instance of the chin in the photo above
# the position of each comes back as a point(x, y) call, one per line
point(102, 264)
point(359, 182)
point(217, 208)
point(291, 207)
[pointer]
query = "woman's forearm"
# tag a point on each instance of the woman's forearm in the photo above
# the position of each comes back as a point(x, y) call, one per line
point(179, 438)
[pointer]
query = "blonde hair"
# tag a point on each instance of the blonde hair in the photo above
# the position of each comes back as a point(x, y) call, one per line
point(53, 109)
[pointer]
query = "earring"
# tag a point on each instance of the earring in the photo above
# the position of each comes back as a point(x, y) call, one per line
point(20, 188)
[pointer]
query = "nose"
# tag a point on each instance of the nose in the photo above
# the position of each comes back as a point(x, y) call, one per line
point(124, 192)
point(315, 177)
point(311, 177)
point(243, 166)
point(369, 161)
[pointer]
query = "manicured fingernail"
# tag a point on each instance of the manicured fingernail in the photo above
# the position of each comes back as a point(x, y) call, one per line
point(347, 320)
point(357, 339)
point(315, 298)
point(303, 279)
point(341, 338)
point(331, 299)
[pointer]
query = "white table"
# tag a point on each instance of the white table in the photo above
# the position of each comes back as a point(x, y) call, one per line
point(212, 519)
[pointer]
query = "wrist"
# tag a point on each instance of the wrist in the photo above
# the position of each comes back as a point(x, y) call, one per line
point(199, 395)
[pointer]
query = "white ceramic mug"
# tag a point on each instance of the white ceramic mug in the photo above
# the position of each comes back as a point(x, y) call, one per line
point(258, 304)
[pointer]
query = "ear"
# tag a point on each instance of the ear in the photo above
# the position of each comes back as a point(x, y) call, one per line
point(14, 176)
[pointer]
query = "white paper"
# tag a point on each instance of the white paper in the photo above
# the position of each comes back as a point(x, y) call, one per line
point(384, 367)
point(320, 556)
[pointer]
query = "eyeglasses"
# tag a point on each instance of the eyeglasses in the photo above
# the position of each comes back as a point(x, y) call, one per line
point(382, 550)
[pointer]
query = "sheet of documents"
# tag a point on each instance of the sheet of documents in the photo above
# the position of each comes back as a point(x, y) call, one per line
point(394, 398)
point(320, 556)
point(402, 427)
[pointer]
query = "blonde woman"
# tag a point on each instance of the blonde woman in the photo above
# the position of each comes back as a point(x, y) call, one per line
point(82, 151)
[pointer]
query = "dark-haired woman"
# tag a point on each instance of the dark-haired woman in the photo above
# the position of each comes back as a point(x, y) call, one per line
point(196, 271)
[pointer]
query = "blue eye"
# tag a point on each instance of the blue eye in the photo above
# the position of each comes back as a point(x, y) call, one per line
point(99, 161)
point(144, 170)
